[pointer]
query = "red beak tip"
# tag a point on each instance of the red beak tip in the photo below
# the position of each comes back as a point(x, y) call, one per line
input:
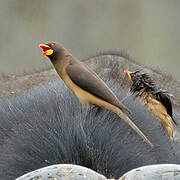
point(44, 47)
point(126, 72)
point(40, 45)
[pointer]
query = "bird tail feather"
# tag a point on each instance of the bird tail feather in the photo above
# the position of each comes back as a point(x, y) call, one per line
point(131, 124)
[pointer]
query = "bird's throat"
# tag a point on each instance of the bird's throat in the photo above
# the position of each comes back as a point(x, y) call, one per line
point(60, 67)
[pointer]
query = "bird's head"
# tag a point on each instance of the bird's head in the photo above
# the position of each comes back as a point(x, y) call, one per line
point(141, 80)
point(51, 50)
point(132, 75)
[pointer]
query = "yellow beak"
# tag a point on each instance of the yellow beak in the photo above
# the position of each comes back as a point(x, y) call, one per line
point(128, 74)
point(48, 52)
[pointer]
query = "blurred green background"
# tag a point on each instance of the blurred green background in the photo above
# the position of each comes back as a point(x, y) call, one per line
point(147, 30)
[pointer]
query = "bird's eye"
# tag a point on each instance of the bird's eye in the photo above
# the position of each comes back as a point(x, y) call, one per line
point(132, 76)
point(53, 45)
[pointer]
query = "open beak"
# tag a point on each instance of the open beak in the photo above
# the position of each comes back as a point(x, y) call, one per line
point(47, 50)
point(128, 74)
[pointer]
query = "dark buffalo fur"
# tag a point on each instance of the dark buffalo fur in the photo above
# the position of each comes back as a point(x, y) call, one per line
point(48, 126)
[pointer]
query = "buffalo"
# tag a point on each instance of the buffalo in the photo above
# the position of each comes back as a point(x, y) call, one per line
point(47, 125)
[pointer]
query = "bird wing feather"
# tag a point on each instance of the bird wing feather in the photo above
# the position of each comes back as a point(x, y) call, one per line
point(88, 80)
point(164, 98)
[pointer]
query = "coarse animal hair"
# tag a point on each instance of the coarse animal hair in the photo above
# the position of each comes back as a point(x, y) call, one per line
point(47, 125)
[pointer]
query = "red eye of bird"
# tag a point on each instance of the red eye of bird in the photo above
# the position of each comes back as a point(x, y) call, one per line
point(132, 76)
point(52, 45)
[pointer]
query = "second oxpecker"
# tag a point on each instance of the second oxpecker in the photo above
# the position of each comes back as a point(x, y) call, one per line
point(156, 99)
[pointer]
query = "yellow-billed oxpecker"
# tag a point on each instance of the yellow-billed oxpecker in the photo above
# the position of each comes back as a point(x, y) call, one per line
point(85, 83)
point(157, 100)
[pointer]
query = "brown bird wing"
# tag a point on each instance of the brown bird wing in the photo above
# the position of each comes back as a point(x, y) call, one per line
point(88, 80)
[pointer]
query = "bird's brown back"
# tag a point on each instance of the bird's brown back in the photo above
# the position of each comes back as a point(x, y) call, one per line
point(88, 80)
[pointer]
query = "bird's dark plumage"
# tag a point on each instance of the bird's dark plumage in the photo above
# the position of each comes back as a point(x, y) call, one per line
point(164, 98)
point(142, 80)
point(157, 100)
